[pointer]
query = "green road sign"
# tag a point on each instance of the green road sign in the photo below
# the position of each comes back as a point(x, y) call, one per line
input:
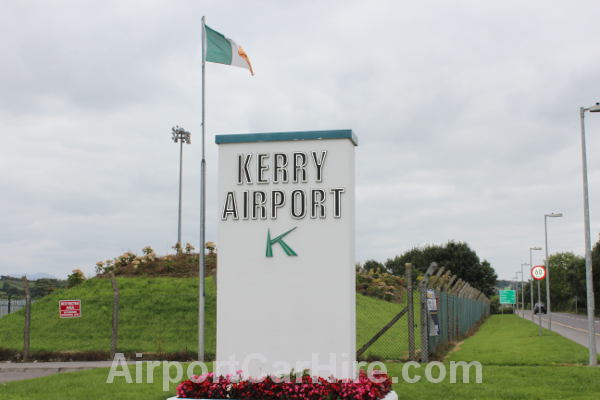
point(508, 297)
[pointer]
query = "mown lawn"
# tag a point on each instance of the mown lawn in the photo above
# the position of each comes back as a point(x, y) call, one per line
point(509, 382)
point(160, 315)
point(89, 384)
point(510, 340)
point(517, 364)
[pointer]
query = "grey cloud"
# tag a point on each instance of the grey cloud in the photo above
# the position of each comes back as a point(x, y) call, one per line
point(466, 115)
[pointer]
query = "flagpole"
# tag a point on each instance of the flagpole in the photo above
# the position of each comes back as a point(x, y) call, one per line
point(202, 260)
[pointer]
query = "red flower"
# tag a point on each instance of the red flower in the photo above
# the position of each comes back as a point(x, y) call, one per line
point(367, 387)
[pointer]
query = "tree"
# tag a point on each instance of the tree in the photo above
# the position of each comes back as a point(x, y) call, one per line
point(596, 272)
point(567, 280)
point(12, 290)
point(75, 278)
point(211, 247)
point(43, 287)
point(457, 257)
point(486, 280)
point(372, 265)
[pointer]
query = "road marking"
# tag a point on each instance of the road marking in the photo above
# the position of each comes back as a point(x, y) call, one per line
point(571, 327)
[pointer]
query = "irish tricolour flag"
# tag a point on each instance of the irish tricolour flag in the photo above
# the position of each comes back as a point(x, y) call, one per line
point(222, 50)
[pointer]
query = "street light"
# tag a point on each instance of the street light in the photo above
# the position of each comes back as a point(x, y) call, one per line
point(548, 309)
point(523, 287)
point(517, 288)
point(516, 278)
point(531, 285)
point(588, 245)
point(180, 135)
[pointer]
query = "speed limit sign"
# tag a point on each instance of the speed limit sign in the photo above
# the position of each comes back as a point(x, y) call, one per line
point(538, 272)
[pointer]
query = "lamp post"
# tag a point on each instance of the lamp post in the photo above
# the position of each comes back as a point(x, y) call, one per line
point(548, 309)
point(531, 285)
point(180, 135)
point(588, 245)
point(517, 288)
point(523, 287)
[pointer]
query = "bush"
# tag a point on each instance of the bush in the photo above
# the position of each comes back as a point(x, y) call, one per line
point(379, 284)
point(75, 278)
point(149, 264)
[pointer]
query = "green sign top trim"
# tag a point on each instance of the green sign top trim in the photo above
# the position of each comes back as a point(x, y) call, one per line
point(285, 136)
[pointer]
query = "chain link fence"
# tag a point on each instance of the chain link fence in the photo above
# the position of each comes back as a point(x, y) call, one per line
point(439, 311)
point(9, 306)
point(426, 316)
point(388, 330)
point(450, 310)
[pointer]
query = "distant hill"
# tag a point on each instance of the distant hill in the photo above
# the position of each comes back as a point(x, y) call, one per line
point(40, 275)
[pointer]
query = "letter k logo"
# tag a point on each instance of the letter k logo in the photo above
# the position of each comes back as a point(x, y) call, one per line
point(279, 239)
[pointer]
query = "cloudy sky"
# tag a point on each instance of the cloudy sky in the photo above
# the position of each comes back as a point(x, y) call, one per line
point(466, 113)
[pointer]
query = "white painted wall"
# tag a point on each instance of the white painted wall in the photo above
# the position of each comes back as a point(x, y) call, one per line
point(288, 308)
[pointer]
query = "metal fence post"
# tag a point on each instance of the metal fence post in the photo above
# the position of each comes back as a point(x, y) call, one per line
point(425, 313)
point(27, 328)
point(411, 313)
point(424, 322)
point(115, 316)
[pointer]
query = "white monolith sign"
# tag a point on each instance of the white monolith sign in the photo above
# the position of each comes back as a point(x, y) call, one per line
point(286, 272)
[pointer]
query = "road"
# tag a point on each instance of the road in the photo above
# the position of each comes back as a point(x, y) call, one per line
point(19, 371)
point(571, 326)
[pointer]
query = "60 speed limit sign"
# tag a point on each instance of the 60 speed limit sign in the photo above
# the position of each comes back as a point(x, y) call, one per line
point(538, 272)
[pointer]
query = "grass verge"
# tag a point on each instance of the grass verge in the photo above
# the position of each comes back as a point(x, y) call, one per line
point(510, 340)
point(537, 376)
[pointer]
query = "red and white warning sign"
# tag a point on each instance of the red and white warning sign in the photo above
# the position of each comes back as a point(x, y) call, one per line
point(69, 308)
point(538, 272)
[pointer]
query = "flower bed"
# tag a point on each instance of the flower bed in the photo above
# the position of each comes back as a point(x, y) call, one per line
point(375, 386)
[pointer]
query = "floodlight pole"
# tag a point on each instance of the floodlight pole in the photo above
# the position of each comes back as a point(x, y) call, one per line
point(180, 135)
point(180, 181)
point(588, 245)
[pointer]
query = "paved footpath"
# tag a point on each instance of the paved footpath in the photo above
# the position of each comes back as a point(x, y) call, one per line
point(571, 326)
point(19, 371)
